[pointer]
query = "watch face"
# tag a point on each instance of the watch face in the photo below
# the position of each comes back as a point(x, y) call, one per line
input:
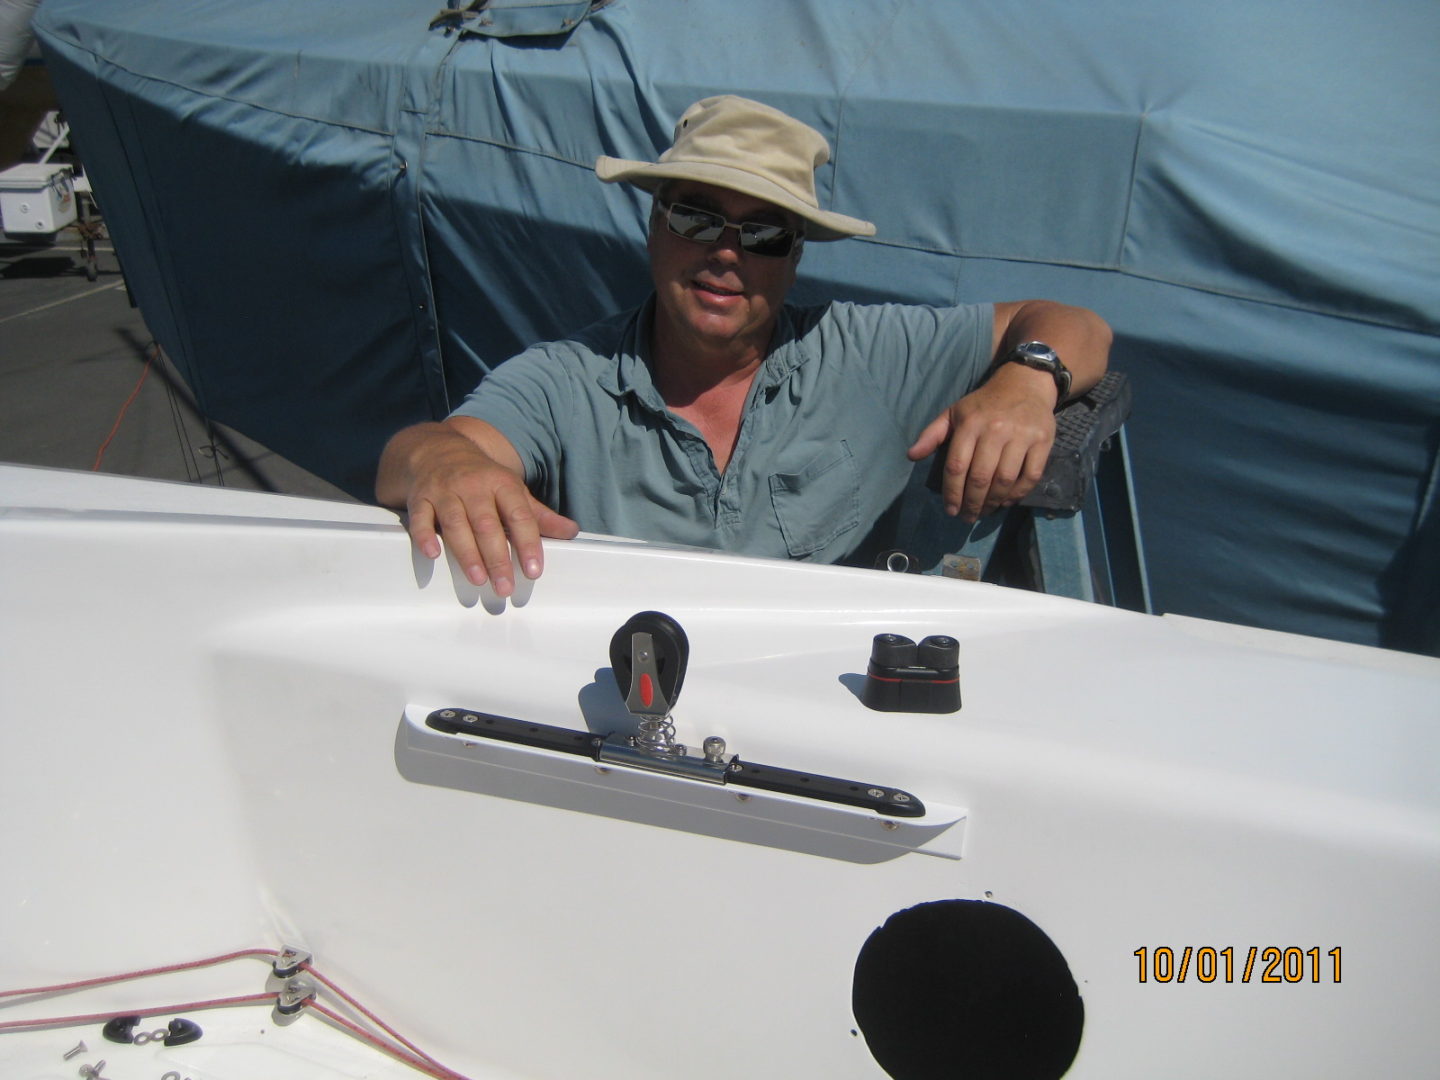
point(1038, 355)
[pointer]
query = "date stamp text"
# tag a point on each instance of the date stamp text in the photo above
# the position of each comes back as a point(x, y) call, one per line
point(1260, 964)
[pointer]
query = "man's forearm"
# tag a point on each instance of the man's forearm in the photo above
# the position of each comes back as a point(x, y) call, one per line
point(397, 470)
point(415, 451)
point(1079, 337)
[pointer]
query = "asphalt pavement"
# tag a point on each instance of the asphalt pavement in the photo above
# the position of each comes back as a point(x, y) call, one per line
point(83, 384)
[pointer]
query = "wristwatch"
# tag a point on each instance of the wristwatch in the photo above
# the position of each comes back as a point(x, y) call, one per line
point(1041, 357)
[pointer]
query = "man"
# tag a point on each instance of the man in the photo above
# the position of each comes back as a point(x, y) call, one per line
point(716, 415)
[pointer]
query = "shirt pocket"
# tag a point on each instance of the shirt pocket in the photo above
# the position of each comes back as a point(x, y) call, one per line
point(819, 502)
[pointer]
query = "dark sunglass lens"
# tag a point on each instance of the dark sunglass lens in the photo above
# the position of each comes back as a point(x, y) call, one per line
point(772, 240)
point(694, 224)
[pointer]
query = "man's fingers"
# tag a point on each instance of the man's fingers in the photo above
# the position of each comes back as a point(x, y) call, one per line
point(494, 547)
point(458, 530)
point(996, 456)
point(1008, 482)
point(1031, 473)
point(481, 533)
point(554, 525)
point(526, 522)
point(930, 439)
point(978, 481)
point(958, 465)
point(420, 521)
point(476, 505)
point(518, 522)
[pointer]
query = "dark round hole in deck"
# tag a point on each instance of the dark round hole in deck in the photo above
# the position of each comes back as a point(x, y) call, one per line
point(966, 990)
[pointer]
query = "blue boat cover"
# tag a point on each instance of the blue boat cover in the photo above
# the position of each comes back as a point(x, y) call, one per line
point(337, 217)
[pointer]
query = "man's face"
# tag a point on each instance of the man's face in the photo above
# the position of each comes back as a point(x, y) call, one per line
point(718, 296)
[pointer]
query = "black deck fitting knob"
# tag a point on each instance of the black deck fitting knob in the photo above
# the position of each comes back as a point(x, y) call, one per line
point(938, 651)
point(892, 651)
point(120, 1029)
point(182, 1031)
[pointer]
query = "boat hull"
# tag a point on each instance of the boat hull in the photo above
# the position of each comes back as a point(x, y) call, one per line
point(205, 748)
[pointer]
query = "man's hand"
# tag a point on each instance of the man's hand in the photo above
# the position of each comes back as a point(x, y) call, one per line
point(455, 480)
point(1001, 433)
point(1000, 438)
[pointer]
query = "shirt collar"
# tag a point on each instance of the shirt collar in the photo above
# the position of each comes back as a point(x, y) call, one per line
point(631, 372)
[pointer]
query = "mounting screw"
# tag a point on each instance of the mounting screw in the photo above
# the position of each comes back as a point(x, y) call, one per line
point(79, 1049)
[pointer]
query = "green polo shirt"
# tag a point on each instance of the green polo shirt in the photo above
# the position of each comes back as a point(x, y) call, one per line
point(844, 392)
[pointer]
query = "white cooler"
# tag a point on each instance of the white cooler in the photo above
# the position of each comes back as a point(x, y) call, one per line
point(37, 198)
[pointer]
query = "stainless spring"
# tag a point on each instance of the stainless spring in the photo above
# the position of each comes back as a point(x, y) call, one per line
point(657, 736)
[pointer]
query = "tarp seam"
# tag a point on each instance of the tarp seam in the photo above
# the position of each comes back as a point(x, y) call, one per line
point(843, 95)
point(433, 366)
point(930, 249)
point(232, 99)
point(1426, 503)
point(1079, 264)
point(1123, 238)
point(149, 209)
point(501, 144)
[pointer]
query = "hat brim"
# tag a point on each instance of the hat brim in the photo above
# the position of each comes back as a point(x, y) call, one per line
point(648, 175)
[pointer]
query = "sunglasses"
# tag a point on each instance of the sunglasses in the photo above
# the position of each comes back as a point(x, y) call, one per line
point(705, 227)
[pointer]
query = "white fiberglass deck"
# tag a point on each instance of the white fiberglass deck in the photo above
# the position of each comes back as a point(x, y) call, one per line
point(203, 749)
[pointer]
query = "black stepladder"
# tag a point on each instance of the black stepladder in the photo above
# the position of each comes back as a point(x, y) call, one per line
point(1077, 534)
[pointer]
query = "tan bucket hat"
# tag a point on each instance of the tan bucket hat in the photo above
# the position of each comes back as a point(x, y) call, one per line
point(745, 146)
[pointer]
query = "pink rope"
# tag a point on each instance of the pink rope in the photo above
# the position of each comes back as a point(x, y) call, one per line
point(406, 1052)
point(421, 1063)
point(375, 1019)
point(90, 1018)
point(104, 980)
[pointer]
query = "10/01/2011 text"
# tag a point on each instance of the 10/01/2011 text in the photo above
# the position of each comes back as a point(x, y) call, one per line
point(1207, 964)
